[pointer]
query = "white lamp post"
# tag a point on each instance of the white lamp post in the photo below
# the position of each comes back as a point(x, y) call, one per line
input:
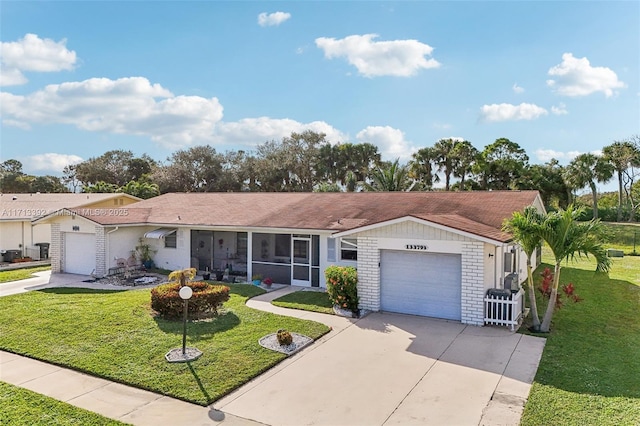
point(177, 355)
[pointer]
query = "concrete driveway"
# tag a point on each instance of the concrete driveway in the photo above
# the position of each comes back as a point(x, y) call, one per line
point(388, 369)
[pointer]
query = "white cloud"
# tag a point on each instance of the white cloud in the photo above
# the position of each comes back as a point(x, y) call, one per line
point(51, 161)
point(561, 109)
point(31, 53)
point(509, 112)
point(128, 106)
point(576, 77)
point(272, 19)
point(517, 89)
point(401, 58)
point(391, 142)
point(134, 106)
point(548, 154)
point(254, 131)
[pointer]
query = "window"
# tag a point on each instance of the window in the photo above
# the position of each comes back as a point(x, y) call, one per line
point(331, 249)
point(170, 240)
point(349, 249)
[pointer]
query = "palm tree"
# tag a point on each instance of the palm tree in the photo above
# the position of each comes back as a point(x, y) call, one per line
point(567, 238)
point(586, 170)
point(183, 275)
point(525, 230)
point(443, 150)
point(391, 177)
point(622, 155)
point(421, 168)
point(464, 156)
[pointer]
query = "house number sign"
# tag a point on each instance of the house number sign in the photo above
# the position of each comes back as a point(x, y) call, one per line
point(417, 247)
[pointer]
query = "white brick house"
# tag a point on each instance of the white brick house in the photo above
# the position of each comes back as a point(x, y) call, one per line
point(423, 253)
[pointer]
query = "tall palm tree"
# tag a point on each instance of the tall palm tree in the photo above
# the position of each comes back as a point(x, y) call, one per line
point(464, 155)
point(622, 154)
point(421, 168)
point(567, 238)
point(444, 159)
point(586, 170)
point(391, 177)
point(525, 228)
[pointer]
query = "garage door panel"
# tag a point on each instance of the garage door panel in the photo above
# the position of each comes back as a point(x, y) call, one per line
point(79, 253)
point(426, 284)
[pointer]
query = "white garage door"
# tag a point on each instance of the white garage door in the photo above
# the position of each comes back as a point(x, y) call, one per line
point(79, 253)
point(427, 284)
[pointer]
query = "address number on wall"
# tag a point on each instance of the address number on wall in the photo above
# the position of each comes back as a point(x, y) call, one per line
point(417, 247)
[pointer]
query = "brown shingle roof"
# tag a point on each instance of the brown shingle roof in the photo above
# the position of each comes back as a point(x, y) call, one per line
point(29, 206)
point(480, 213)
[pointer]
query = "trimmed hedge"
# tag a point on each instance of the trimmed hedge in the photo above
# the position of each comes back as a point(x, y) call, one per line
point(206, 300)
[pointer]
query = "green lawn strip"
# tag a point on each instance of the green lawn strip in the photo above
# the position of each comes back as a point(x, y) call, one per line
point(315, 301)
point(20, 406)
point(622, 237)
point(588, 374)
point(21, 274)
point(114, 335)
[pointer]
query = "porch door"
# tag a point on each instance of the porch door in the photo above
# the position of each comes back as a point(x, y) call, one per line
point(301, 269)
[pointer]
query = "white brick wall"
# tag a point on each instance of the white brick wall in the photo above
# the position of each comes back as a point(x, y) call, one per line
point(56, 248)
point(473, 283)
point(101, 260)
point(369, 273)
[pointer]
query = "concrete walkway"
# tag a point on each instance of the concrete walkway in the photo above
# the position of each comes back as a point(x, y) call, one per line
point(380, 370)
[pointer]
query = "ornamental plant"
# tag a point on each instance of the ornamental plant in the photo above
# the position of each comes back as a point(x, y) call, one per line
point(342, 287)
point(284, 337)
point(546, 285)
point(207, 299)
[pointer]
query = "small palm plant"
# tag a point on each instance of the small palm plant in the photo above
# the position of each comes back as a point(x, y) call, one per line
point(183, 275)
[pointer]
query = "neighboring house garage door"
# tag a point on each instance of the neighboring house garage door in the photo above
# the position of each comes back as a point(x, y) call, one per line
point(427, 284)
point(79, 253)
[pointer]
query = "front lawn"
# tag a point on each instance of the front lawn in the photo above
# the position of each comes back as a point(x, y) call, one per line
point(113, 335)
point(315, 301)
point(590, 367)
point(21, 274)
point(20, 406)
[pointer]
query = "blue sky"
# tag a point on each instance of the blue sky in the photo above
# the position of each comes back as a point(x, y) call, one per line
point(81, 78)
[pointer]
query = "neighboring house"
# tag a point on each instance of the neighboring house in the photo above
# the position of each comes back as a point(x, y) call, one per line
point(424, 253)
point(17, 211)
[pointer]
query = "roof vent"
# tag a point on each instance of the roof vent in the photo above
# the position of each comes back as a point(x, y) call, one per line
point(14, 198)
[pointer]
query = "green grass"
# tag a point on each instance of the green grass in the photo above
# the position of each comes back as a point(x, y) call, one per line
point(590, 367)
point(622, 237)
point(114, 335)
point(21, 274)
point(20, 406)
point(315, 301)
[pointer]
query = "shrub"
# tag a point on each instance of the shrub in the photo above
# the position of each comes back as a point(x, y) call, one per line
point(206, 300)
point(342, 287)
point(284, 337)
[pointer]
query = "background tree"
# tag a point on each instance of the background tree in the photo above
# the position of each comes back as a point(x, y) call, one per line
point(567, 239)
point(389, 177)
point(500, 164)
point(422, 168)
point(443, 151)
point(585, 171)
point(13, 179)
point(140, 189)
point(196, 169)
point(622, 155)
point(464, 156)
point(548, 179)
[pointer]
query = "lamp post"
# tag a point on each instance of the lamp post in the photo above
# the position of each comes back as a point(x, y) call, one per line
point(185, 294)
point(184, 355)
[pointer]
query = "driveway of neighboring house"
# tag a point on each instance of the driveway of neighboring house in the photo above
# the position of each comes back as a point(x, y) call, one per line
point(390, 369)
